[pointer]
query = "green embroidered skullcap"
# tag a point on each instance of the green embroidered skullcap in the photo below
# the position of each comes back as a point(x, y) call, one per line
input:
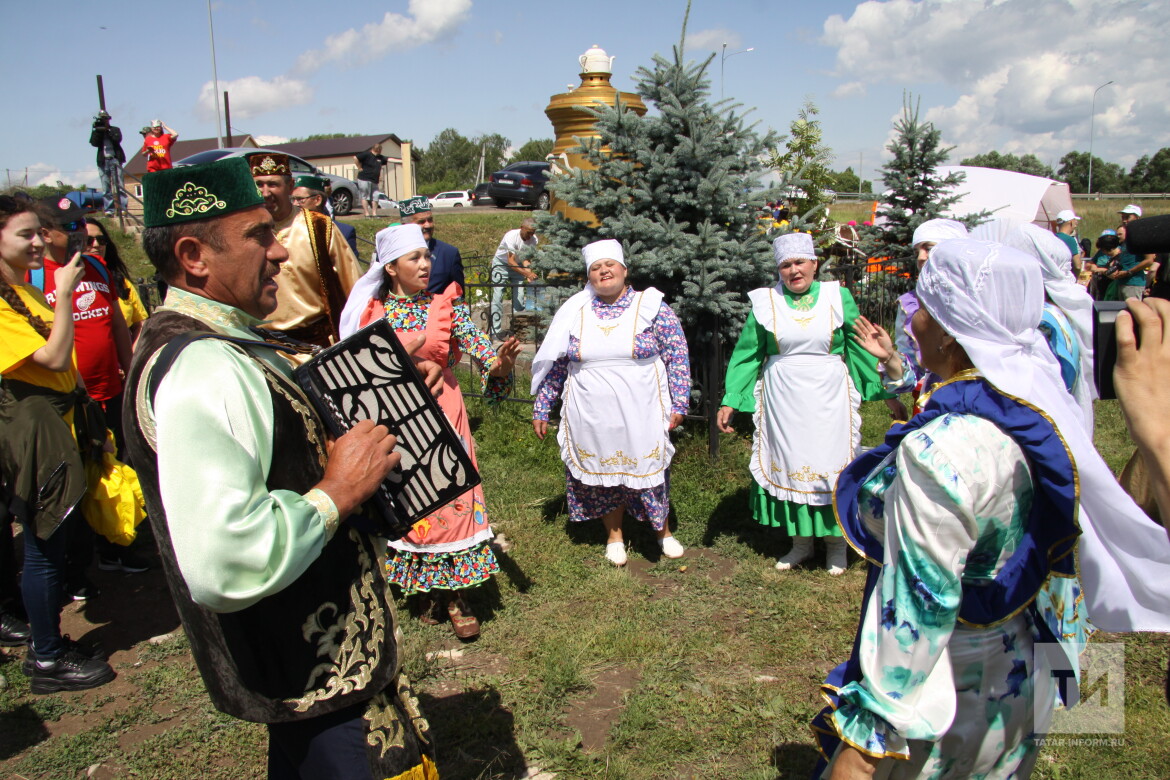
point(194, 192)
point(317, 183)
point(415, 205)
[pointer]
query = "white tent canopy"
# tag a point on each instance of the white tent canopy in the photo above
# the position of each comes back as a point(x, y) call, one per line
point(1017, 197)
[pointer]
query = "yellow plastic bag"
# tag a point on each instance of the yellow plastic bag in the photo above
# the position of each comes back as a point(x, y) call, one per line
point(113, 505)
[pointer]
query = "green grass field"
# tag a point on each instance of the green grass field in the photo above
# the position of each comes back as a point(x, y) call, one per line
point(704, 667)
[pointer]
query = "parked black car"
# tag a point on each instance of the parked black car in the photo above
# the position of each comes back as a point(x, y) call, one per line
point(520, 182)
point(480, 196)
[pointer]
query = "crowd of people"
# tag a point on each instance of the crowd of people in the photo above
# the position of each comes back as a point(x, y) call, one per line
point(989, 521)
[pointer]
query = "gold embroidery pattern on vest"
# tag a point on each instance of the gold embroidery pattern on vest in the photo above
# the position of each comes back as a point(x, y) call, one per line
point(619, 458)
point(654, 454)
point(606, 329)
point(387, 729)
point(191, 200)
point(583, 453)
point(351, 662)
point(301, 406)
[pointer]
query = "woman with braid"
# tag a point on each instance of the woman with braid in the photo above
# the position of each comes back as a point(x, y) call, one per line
point(39, 459)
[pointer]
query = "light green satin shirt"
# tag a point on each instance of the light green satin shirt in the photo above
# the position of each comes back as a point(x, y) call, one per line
point(212, 425)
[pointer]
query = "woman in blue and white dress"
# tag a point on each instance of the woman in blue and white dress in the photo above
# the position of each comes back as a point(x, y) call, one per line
point(982, 518)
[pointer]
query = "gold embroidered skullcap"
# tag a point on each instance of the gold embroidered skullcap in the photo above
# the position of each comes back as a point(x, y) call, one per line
point(269, 164)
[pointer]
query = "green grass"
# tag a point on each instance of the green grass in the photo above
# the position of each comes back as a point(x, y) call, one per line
point(723, 658)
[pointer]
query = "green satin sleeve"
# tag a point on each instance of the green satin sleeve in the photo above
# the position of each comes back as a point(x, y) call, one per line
point(861, 365)
point(753, 347)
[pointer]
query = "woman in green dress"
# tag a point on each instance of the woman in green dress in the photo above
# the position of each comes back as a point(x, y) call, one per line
point(801, 374)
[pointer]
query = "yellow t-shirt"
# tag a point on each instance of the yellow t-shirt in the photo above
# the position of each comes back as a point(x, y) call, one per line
point(18, 341)
point(132, 309)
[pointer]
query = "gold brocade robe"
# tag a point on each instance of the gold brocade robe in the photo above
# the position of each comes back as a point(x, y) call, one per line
point(302, 297)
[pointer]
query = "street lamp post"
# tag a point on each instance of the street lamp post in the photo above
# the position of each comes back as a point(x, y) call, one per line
point(1092, 119)
point(722, 64)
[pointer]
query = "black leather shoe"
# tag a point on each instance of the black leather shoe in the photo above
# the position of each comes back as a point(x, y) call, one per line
point(83, 649)
point(14, 632)
point(71, 672)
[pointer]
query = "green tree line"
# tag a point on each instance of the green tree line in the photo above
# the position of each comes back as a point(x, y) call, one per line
point(1148, 174)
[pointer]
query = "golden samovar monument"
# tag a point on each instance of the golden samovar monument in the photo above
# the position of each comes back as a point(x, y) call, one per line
point(570, 123)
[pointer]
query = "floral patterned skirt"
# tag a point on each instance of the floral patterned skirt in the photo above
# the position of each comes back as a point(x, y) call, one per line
point(587, 502)
point(423, 572)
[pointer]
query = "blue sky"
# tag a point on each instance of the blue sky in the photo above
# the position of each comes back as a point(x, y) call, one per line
point(1012, 75)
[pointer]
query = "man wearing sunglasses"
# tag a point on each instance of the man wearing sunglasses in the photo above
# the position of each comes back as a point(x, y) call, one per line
point(309, 192)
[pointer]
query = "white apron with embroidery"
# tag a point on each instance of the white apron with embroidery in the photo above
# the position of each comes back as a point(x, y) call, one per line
point(616, 409)
point(807, 423)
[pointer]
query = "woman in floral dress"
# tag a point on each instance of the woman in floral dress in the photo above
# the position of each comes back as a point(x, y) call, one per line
point(618, 360)
point(450, 551)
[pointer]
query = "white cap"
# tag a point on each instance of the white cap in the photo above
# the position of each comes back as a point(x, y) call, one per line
point(1068, 215)
point(936, 230)
point(791, 245)
point(1132, 208)
point(397, 240)
point(608, 249)
point(156, 123)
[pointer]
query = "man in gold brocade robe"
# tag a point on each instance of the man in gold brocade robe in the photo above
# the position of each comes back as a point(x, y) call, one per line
point(321, 268)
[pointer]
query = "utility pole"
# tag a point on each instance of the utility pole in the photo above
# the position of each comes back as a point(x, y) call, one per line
point(214, 77)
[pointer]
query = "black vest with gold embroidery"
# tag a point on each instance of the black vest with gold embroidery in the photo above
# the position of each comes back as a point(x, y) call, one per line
point(324, 642)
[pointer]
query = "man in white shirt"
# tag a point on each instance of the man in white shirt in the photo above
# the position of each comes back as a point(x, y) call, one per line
point(508, 267)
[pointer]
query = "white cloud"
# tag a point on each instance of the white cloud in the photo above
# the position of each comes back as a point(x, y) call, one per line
point(1024, 71)
point(849, 89)
point(713, 40)
point(47, 173)
point(426, 21)
point(252, 96)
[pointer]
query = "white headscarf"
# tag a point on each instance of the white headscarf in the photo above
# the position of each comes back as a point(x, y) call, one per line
point(936, 230)
point(1060, 285)
point(556, 339)
point(793, 245)
point(1062, 289)
point(988, 297)
point(609, 249)
point(391, 243)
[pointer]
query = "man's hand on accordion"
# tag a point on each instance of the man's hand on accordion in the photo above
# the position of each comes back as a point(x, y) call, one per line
point(432, 373)
point(358, 462)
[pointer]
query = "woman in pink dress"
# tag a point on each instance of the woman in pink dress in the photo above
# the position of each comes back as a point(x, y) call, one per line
point(449, 551)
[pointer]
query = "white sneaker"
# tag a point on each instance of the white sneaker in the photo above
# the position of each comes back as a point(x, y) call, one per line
point(670, 547)
point(801, 551)
point(615, 553)
point(837, 558)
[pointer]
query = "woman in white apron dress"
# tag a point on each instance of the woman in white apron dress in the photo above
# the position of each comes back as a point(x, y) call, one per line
point(804, 378)
point(618, 360)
